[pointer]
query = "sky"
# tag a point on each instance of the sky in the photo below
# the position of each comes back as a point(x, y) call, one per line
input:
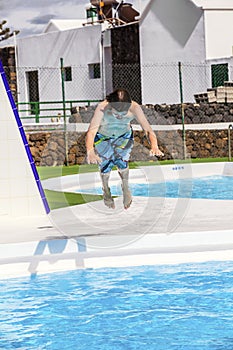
point(32, 16)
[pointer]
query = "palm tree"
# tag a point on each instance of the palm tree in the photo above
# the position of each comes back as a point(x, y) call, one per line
point(6, 33)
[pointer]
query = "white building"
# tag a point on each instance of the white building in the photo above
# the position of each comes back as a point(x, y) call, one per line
point(39, 58)
point(218, 20)
point(169, 32)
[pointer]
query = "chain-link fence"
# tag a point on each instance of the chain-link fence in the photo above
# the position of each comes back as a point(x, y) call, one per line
point(170, 93)
point(157, 83)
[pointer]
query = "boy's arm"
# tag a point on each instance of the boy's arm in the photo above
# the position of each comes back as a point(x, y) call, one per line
point(140, 116)
point(92, 157)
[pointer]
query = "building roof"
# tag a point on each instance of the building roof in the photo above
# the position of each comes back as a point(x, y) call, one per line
point(63, 24)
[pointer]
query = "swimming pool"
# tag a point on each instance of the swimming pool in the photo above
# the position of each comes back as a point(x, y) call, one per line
point(208, 187)
point(187, 306)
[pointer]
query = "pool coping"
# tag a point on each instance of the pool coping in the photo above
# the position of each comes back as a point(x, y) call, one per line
point(31, 258)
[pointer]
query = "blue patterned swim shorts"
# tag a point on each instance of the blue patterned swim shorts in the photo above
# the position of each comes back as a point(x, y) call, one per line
point(114, 151)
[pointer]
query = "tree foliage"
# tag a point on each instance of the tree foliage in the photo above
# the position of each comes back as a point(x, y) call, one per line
point(5, 32)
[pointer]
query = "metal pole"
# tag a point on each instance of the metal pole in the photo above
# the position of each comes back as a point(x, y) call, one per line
point(182, 110)
point(16, 65)
point(229, 141)
point(64, 111)
point(103, 76)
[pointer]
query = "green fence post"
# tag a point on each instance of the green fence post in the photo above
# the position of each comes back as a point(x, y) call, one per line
point(64, 110)
point(230, 127)
point(182, 110)
point(37, 112)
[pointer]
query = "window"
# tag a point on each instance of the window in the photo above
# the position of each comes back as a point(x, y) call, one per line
point(94, 70)
point(33, 91)
point(219, 74)
point(67, 74)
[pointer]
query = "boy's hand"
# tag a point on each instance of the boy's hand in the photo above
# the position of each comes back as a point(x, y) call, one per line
point(92, 157)
point(156, 152)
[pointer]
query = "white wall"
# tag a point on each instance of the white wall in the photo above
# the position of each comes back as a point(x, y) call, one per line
point(19, 192)
point(218, 27)
point(219, 33)
point(170, 31)
point(78, 48)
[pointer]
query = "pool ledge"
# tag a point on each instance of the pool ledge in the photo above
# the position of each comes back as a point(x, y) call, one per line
point(46, 256)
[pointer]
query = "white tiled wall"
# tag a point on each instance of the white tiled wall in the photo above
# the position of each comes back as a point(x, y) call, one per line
point(19, 194)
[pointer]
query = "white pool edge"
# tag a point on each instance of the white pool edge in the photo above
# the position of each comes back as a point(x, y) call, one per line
point(30, 258)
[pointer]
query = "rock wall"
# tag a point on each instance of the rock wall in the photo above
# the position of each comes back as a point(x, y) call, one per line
point(49, 149)
point(7, 56)
point(171, 114)
point(54, 148)
point(193, 113)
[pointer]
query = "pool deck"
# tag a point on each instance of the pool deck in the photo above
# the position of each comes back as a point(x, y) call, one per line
point(152, 231)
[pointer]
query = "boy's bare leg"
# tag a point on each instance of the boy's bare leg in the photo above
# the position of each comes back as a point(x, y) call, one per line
point(108, 200)
point(127, 197)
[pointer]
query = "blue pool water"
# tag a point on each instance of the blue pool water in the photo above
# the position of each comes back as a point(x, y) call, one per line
point(188, 306)
point(209, 187)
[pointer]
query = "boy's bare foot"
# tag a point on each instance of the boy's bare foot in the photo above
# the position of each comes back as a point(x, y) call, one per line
point(108, 200)
point(127, 198)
